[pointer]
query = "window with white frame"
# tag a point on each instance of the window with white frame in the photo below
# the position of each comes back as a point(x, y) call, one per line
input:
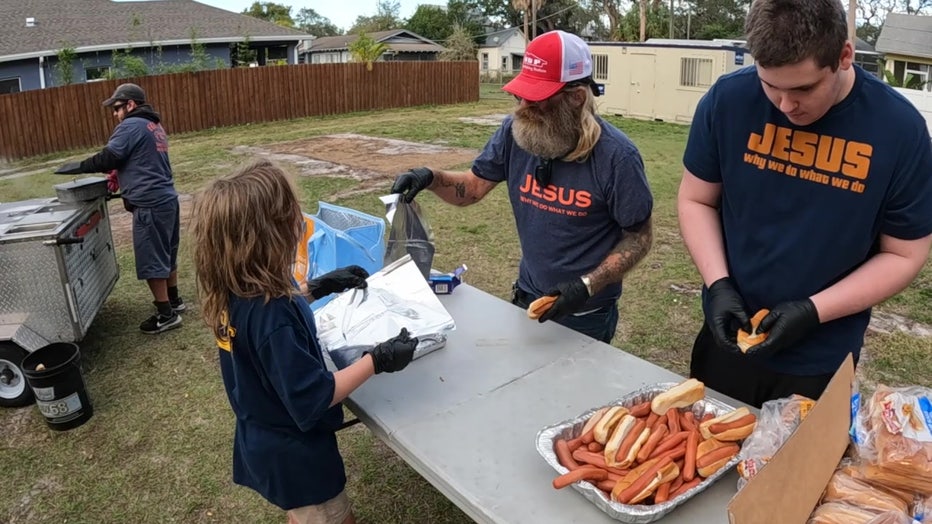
point(504, 63)
point(10, 85)
point(485, 61)
point(919, 74)
point(600, 67)
point(695, 72)
point(96, 73)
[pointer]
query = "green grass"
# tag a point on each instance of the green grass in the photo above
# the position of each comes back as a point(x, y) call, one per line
point(158, 448)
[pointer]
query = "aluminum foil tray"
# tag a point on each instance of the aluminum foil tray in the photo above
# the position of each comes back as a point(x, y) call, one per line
point(637, 513)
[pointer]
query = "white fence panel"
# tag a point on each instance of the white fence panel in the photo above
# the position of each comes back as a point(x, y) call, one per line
point(922, 100)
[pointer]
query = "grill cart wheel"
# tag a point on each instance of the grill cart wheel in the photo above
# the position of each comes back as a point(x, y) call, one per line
point(14, 392)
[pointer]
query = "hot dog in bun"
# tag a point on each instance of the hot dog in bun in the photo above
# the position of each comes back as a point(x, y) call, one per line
point(733, 426)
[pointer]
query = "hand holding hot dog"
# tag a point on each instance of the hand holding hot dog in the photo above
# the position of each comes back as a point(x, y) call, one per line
point(571, 298)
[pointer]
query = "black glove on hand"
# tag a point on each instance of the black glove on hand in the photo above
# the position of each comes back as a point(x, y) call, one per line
point(571, 297)
point(410, 183)
point(786, 325)
point(726, 314)
point(337, 281)
point(71, 168)
point(394, 354)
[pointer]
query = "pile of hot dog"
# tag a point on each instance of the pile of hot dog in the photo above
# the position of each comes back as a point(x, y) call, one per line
point(654, 451)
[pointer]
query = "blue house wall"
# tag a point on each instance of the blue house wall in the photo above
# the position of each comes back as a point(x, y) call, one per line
point(158, 60)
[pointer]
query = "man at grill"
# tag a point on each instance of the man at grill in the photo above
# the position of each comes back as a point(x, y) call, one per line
point(138, 152)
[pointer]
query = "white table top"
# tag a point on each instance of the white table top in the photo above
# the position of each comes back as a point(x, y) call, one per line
point(466, 416)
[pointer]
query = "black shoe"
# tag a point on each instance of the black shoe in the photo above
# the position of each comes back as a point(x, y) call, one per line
point(178, 305)
point(159, 323)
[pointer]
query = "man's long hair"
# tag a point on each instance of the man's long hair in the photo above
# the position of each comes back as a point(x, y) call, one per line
point(246, 228)
point(589, 130)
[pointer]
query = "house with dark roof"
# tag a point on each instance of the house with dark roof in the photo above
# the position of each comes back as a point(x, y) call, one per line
point(502, 52)
point(401, 45)
point(906, 42)
point(40, 41)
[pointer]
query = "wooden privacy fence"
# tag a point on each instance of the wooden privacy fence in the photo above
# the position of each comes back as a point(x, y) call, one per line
point(69, 117)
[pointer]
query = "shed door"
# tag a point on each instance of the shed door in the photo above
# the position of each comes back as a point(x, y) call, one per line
point(641, 93)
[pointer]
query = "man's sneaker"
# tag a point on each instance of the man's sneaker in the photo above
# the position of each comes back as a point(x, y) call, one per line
point(178, 305)
point(159, 323)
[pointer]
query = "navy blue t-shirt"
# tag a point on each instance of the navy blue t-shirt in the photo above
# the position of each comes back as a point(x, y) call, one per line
point(146, 173)
point(568, 228)
point(285, 446)
point(804, 206)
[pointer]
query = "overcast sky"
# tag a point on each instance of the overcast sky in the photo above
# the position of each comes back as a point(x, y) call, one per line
point(341, 13)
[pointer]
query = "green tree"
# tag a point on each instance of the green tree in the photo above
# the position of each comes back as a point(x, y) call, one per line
point(385, 18)
point(311, 22)
point(366, 49)
point(276, 13)
point(712, 19)
point(64, 67)
point(431, 22)
point(460, 46)
point(656, 24)
point(910, 82)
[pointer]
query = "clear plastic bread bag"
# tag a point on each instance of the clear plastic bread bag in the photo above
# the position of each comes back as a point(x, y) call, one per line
point(778, 420)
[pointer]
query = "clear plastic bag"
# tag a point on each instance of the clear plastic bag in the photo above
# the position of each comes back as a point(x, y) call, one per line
point(923, 511)
point(410, 233)
point(894, 441)
point(778, 420)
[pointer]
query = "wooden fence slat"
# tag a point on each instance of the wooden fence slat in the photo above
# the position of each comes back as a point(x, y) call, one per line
point(71, 117)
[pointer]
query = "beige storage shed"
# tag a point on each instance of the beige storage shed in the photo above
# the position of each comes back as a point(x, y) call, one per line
point(661, 79)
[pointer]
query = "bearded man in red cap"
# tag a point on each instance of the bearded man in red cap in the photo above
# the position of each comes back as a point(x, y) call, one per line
point(577, 187)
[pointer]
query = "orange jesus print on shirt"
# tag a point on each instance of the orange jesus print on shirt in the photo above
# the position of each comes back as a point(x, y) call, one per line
point(824, 153)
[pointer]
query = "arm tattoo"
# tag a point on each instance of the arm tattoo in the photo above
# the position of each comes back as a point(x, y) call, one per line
point(633, 247)
point(459, 191)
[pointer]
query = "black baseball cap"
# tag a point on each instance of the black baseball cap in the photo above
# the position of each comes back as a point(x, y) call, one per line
point(127, 92)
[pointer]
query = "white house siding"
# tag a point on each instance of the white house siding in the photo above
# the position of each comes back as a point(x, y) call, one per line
point(922, 100)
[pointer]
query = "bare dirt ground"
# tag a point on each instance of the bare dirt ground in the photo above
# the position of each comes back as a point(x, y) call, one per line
point(372, 161)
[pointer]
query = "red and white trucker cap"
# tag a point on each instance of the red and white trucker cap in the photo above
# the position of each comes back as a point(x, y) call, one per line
point(550, 61)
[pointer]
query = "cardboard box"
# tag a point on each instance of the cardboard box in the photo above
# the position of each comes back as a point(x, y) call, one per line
point(789, 487)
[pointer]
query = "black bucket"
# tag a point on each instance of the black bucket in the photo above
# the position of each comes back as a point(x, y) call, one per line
point(59, 388)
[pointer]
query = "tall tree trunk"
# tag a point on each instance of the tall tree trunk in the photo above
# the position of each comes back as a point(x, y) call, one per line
point(642, 10)
point(534, 19)
point(526, 36)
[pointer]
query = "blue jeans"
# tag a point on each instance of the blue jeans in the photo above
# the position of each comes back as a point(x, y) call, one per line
point(599, 324)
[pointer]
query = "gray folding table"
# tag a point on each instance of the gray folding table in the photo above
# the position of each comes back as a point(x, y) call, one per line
point(466, 416)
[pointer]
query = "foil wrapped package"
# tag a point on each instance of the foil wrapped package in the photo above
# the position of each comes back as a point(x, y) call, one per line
point(630, 513)
point(396, 297)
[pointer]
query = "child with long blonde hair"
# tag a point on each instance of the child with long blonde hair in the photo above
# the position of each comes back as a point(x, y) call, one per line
point(287, 403)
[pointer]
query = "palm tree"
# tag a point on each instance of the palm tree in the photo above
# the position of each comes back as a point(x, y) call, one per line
point(366, 49)
point(522, 5)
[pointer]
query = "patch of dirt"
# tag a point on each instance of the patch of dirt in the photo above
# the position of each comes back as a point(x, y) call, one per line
point(882, 322)
point(488, 120)
point(373, 162)
point(25, 510)
point(17, 424)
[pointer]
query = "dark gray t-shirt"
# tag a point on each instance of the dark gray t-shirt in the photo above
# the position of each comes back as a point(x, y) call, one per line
point(146, 175)
point(568, 228)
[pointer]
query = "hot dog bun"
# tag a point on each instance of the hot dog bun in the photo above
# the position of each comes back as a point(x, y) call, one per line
point(747, 340)
point(679, 396)
point(540, 306)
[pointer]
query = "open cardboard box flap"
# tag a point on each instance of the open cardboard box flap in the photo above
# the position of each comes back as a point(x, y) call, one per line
point(789, 487)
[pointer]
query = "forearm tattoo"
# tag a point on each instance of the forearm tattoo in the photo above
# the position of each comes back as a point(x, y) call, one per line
point(456, 188)
point(633, 247)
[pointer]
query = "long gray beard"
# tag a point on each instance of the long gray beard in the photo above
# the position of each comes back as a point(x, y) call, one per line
point(551, 135)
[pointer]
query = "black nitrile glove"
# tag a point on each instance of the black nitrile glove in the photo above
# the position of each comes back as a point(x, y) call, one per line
point(394, 354)
point(71, 168)
point(726, 314)
point(337, 281)
point(786, 325)
point(410, 183)
point(571, 297)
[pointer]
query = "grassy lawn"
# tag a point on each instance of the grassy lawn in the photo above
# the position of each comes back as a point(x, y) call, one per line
point(158, 448)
